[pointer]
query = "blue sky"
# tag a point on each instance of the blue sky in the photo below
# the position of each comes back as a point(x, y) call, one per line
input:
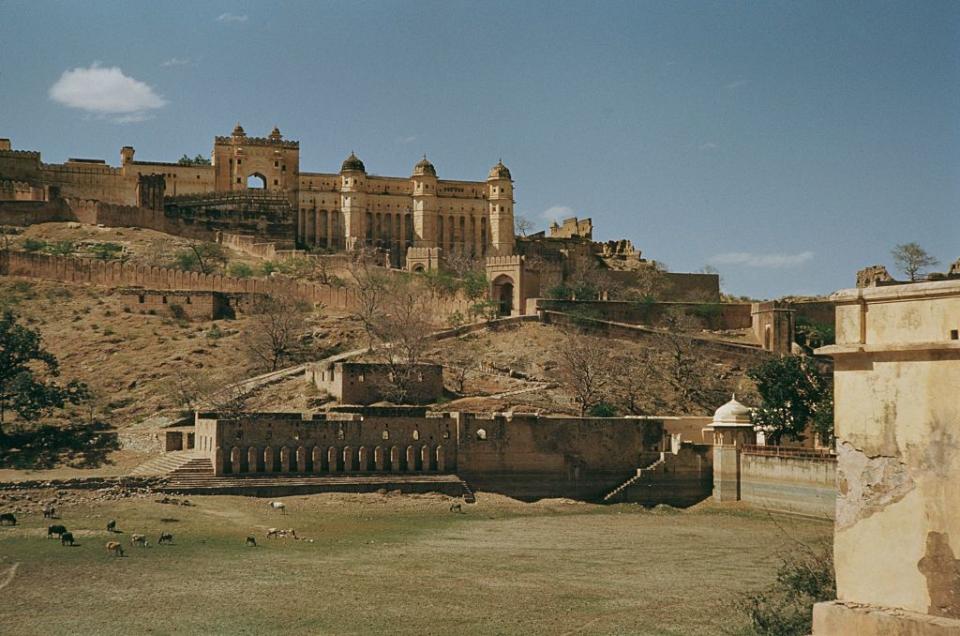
point(786, 144)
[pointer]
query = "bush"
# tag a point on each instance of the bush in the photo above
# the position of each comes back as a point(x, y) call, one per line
point(240, 270)
point(604, 409)
point(106, 251)
point(62, 248)
point(786, 607)
point(33, 245)
point(178, 312)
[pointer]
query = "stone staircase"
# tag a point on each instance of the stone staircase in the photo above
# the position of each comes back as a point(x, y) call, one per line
point(165, 464)
point(614, 495)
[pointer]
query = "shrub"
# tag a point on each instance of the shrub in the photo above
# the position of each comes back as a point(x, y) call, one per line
point(33, 245)
point(240, 270)
point(178, 312)
point(106, 251)
point(62, 248)
point(786, 607)
point(604, 409)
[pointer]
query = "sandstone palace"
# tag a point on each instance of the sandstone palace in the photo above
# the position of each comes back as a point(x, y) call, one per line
point(262, 175)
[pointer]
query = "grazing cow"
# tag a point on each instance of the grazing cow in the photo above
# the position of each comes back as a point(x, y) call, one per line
point(56, 530)
point(67, 537)
point(49, 512)
point(455, 507)
point(115, 548)
point(273, 532)
point(251, 541)
point(112, 525)
point(8, 518)
point(165, 537)
point(279, 505)
point(139, 539)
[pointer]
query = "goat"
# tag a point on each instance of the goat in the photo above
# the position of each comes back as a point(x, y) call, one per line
point(8, 517)
point(279, 505)
point(456, 507)
point(139, 539)
point(56, 530)
point(67, 537)
point(251, 541)
point(165, 537)
point(49, 512)
point(112, 525)
point(115, 548)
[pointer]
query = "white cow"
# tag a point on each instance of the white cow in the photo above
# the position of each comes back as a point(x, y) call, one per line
point(279, 505)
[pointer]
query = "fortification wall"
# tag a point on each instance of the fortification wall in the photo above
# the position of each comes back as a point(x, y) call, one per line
point(23, 213)
point(116, 274)
point(710, 315)
point(788, 480)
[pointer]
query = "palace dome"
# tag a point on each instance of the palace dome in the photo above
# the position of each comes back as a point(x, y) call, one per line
point(352, 163)
point(732, 412)
point(499, 171)
point(424, 167)
point(275, 133)
point(238, 130)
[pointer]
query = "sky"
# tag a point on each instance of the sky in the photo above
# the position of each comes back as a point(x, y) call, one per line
point(787, 145)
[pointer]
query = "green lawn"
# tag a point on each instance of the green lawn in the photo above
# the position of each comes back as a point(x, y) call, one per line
point(392, 565)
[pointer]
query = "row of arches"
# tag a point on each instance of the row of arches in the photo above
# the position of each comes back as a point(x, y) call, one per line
point(333, 459)
point(463, 235)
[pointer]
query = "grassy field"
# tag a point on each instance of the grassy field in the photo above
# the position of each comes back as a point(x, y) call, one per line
point(393, 564)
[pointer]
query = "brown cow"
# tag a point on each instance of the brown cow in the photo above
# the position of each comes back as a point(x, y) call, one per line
point(115, 548)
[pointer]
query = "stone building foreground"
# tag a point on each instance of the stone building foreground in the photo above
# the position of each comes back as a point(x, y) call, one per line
point(897, 414)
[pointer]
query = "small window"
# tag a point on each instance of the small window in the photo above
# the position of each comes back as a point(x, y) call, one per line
point(163, 299)
point(481, 434)
point(360, 378)
point(187, 301)
point(955, 334)
point(238, 179)
point(340, 434)
point(416, 434)
point(446, 435)
point(296, 435)
point(276, 164)
point(385, 434)
point(239, 433)
point(142, 299)
point(239, 161)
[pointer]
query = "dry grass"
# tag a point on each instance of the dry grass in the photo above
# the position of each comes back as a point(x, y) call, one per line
point(393, 564)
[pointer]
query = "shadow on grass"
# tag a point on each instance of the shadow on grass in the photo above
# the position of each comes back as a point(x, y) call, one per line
point(46, 446)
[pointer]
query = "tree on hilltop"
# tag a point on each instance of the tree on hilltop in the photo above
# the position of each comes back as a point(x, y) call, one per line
point(27, 374)
point(911, 259)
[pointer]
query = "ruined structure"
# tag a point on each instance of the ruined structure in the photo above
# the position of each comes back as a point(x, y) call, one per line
point(897, 533)
point(369, 382)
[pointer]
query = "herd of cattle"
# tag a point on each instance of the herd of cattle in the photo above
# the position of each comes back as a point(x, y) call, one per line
point(115, 548)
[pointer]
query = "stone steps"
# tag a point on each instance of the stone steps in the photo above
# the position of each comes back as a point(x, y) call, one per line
point(164, 464)
point(615, 493)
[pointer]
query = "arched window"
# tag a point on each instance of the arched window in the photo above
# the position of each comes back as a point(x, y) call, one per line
point(256, 181)
point(481, 434)
point(416, 434)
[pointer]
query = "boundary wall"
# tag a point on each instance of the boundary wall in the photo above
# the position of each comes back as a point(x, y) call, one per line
point(789, 480)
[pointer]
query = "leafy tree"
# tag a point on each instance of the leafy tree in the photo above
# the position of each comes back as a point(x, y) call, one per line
point(62, 248)
point(911, 259)
point(28, 372)
point(794, 395)
point(199, 160)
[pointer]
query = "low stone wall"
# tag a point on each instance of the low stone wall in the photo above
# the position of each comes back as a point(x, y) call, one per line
point(790, 480)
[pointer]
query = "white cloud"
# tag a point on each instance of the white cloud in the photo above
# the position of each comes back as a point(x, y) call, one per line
point(177, 61)
point(732, 86)
point(709, 146)
point(557, 213)
point(106, 92)
point(406, 140)
point(231, 17)
point(773, 260)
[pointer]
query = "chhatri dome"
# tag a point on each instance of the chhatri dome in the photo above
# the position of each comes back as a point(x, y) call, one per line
point(499, 171)
point(424, 167)
point(732, 413)
point(352, 163)
point(275, 133)
point(238, 130)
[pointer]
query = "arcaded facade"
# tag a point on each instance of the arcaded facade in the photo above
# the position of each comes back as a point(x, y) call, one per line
point(342, 210)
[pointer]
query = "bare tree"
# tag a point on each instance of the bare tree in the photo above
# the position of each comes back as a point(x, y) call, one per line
point(402, 330)
point(635, 382)
point(522, 225)
point(196, 390)
point(911, 259)
point(584, 368)
point(275, 329)
point(685, 369)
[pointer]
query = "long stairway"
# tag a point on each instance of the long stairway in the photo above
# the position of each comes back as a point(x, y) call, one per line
point(615, 494)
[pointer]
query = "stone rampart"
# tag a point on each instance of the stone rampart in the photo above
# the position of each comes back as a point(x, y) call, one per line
point(710, 315)
point(799, 481)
